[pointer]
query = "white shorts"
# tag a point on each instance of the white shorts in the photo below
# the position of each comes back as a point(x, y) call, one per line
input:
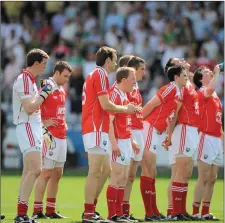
point(58, 153)
point(138, 137)
point(29, 136)
point(151, 138)
point(96, 142)
point(210, 149)
point(126, 152)
point(51, 164)
point(184, 143)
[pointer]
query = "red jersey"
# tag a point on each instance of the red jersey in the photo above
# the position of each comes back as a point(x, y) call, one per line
point(168, 96)
point(210, 114)
point(189, 111)
point(94, 118)
point(136, 118)
point(54, 107)
point(122, 121)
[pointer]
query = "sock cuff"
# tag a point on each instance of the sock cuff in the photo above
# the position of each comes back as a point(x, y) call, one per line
point(196, 204)
point(176, 184)
point(38, 202)
point(49, 199)
point(206, 203)
point(126, 202)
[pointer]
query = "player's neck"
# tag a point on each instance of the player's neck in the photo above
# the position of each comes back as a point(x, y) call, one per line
point(32, 71)
point(121, 88)
point(106, 68)
point(56, 81)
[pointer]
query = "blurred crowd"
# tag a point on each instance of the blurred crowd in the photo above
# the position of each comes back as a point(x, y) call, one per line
point(72, 31)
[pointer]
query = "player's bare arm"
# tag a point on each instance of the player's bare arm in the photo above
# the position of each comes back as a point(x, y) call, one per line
point(213, 83)
point(135, 146)
point(112, 137)
point(149, 107)
point(171, 123)
point(107, 105)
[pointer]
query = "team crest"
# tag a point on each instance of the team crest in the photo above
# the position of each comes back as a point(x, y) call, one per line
point(104, 143)
point(122, 158)
point(187, 149)
point(50, 153)
point(205, 156)
point(154, 147)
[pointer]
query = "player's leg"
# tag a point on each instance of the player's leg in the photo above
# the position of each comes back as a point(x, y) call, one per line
point(204, 170)
point(127, 191)
point(148, 174)
point(170, 198)
point(40, 186)
point(33, 160)
point(95, 162)
point(105, 173)
point(113, 191)
point(52, 190)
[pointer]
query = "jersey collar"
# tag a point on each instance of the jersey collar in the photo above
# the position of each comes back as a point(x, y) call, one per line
point(30, 75)
point(99, 67)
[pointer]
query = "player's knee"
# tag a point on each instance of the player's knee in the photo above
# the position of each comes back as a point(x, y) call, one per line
point(36, 172)
point(94, 173)
point(132, 177)
point(212, 180)
point(57, 174)
point(47, 173)
point(106, 171)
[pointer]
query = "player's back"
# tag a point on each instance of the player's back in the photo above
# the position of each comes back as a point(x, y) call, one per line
point(168, 96)
point(189, 111)
point(54, 107)
point(210, 113)
point(94, 118)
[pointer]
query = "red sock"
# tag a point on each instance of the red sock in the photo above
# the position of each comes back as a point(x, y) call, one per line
point(88, 210)
point(38, 207)
point(205, 207)
point(184, 198)
point(22, 207)
point(145, 187)
point(154, 205)
point(177, 190)
point(169, 210)
point(196, 207)
point(50, 206)
point(95, 203)
point(126, 208)
point(111, 196)
point(119, 202)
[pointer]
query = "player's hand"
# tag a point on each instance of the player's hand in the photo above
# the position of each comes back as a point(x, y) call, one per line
point(167, 142)
point(132, 108)
point(216, 69)
point(116, 150)
point(135, 147)
point(50, 122)
point(46, 89)
point(48, 138)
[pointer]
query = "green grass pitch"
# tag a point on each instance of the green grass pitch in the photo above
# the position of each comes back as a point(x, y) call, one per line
point(71, 197)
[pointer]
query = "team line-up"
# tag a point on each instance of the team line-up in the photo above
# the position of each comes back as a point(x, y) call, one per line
point(119, 134)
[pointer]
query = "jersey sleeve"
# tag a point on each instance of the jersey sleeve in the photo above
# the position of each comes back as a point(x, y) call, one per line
point(115, 99)
point(101, 83)
point(24, 87)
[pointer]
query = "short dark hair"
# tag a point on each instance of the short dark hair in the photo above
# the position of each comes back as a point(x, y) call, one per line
point(135, 62)
point(103, 53)
point(35, 55)
point(198, 76)
point(123, 72)
point(169, 64)
point(123, 61)
point(61, 66)
point(174, 70)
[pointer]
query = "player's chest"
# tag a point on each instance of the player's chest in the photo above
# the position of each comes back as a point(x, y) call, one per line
point(135, 97)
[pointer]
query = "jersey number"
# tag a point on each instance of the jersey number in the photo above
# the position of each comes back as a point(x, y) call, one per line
point(84, 94)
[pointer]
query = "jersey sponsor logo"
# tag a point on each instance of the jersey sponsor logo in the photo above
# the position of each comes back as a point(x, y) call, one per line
point(139, 116)
point(61, 110)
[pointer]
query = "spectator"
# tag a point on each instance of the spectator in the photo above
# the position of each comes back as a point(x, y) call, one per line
point(61, 51)
point(68, 31)
point(211, 47)
point(58, 21)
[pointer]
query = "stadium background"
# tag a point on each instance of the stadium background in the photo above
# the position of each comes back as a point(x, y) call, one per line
point(73, 31)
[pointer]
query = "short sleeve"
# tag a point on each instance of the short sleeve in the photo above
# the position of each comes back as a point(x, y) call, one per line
point(115, 99)
point(101, 83)
point(24, 87)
